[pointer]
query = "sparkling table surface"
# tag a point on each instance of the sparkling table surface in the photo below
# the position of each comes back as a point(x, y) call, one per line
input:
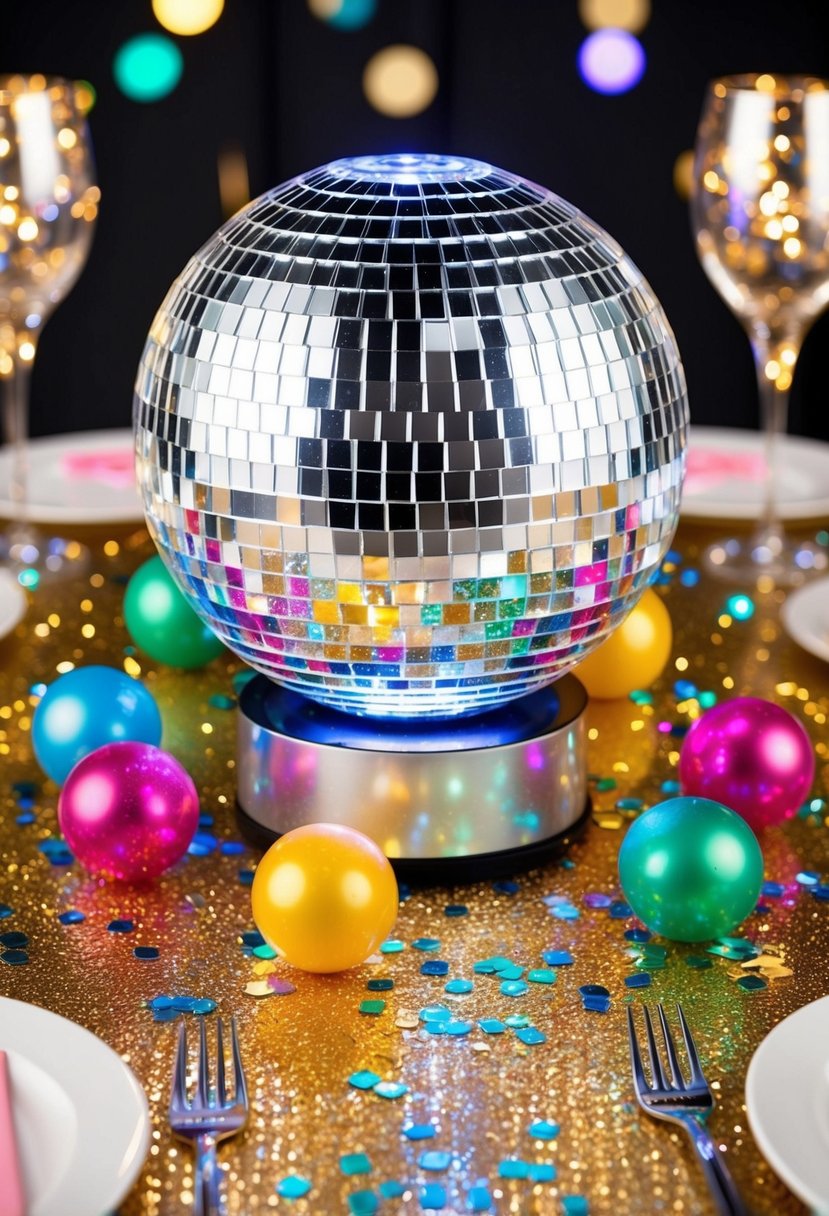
point(482, 1092)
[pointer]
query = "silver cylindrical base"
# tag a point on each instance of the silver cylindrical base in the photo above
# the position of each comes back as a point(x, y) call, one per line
point(511, 779)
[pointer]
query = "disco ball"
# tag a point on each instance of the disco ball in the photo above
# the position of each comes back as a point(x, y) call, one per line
point(410, 434)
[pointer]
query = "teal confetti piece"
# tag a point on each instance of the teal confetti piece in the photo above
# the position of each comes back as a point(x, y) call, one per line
point(364, 1079)
point(698, 962)
point(491, 1026)
point(392, 1189)
point(264, 951)
point(511, 972)
point(458, 987)
point(219, 701)
point(557, 958)
point(435, 1013)
point(542, 1172)
point(426, 943)
point(391, 1089)
point(372, 1008)
point(381, 985)
point(392, 946)
point(575, 1205)
point(517, 1021)
point(752, 983)
point(541, 976)
point(363, 1203)
point(514, 988)
point(293, 1187)
point(434, 1160)
point(530, 1036)
point(513, 1168)
point(433, 1198)
point(543, 1130)
point(420, 1131)
point(355, 1163)
point(457, 1029)
point(479, 1199)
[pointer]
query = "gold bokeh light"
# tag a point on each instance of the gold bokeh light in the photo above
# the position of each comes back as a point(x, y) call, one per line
point(187, 17)
point(400, 81)
point(630, 15)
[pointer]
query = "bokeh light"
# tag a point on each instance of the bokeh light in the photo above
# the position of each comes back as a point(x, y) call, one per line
point(611, 61)
point(187, 16)
point(344, 14)
point(630, 15)
point(85, 96)
point(148, 67)
point(684, 174)
point(400, 81)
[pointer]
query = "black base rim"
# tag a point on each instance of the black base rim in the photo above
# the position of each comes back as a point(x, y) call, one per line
point(449, 871)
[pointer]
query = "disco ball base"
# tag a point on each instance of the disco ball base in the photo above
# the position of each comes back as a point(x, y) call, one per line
point(443, 799)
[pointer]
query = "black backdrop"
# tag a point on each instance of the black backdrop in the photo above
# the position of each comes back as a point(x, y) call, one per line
point(287, 88)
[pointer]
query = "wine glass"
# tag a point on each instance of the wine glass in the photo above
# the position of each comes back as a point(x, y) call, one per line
point(48, 205)
point(760, 214)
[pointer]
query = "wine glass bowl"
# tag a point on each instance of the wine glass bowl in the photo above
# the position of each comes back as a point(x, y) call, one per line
point(48, 206)
point(760, 214)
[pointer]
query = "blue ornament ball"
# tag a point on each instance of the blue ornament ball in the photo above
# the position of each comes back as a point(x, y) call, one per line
point(86, 708)
point(691, 869)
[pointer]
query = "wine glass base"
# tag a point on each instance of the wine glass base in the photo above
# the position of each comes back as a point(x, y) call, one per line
point(786, 562)
point(35, 559)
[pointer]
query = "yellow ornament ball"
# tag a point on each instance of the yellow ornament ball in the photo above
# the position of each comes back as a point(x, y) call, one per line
point(325, 897)
point(633, 656)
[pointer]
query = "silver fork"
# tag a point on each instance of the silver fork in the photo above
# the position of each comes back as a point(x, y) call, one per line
point(688, 1103)
point(210, 1117)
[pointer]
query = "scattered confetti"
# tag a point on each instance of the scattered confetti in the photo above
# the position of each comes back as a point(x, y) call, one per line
point(392, 946)
point(372, 1007)
point(5, 911)
point(557, 958)
point(293, 1187)
point(531, 1036)
point(577, 1205)
point(458, 987)
point(542, 1130)
point(432, 1198)
point(363, 1203)
point(364, 1079)
point(513, 1168)
point(456, 910)
point(120, 926)
point(491, 1026)
point(435, 966)
point(14, 940)
point(434, 1160)
point(14, 958)
point(146, 954)
point(514, 987)
point(425, 943)
point(391, 1089)
point(640, 980)
point(752, 983)
point(71, 917)
point(479, 1199)
point(355, 1163)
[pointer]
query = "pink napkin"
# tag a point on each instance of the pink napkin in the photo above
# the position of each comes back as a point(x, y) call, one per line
point(708, 468)
point(11, 1183)
point(113, 467)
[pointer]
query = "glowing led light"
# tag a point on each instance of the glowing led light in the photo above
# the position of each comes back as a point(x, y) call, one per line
point(67, 138)
point(344, 14)
point(740, 607)
point(400, 81)
point(631, 15)
point(684, 174)
point(27, 229)
point(187, 16)
point(148, 67)
point(85, 96)
point(611, 61)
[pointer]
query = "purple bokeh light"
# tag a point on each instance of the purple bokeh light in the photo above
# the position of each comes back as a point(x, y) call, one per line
point(611, 61)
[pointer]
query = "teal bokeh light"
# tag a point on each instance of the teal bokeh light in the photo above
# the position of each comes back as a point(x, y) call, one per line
point(148, 67)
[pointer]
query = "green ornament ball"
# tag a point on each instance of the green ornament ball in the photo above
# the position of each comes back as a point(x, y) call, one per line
point(162, 623)
point(691, 869)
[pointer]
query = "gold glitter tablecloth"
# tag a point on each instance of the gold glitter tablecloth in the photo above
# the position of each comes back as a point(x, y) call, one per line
point(481, 1091)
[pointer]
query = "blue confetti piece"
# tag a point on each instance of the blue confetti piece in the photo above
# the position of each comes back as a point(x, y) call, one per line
point(637, 935)
point(146, 954)
point(807, 878)
point(517, 1021)
point(514, 987)
point(161, 1002)
point(596, 1004)
point(202, 845)
point(24, 789)
point(392, 946)
point(491, 1026)
point(479, 1199)
point(56, 851)
point(364, 1079)
point(575, 1205)
point(436, 1028)
point(71, 917)
point(391, 1089)
point(596, 899)
point(205, 820)
point(25, 819)
point(434, 1160)
point(14, 958)
point(165, 1015)
point(565, 911)
point(433, 1198)
point(641, 979)
point(426, 943)
point(619, 910)
point(37, 690)
point(458, 987)
point(557, 958)
point(688, 578)
point(252, 937)
point(685, 690)
point(420, 1131)
point(120, 926)
point(246, 877)
point(541, 975)
point(381, 985)
point(435, 1013)
point(355, 1163)
point(458, 1029)
point(506, 886)
point(671, 787)
point(203, 1006)
point(293, 1187)
point(6, 911)
point(435, 966)
point(14, 940)
point(363, 1203)
point(593, 990)
point(542, 1172)
point(232, 848)
point(513, 1167)
point(531, 1036)
point(542, 1130)
point(392, 1189)
point(456, 910)
point(772, 890)
point(820, 892)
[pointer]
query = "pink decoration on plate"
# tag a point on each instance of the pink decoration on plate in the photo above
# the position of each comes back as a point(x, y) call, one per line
point(112, 467)
point(12, 1202)
point(751, 755)
point(128, 811)
point(708, 468)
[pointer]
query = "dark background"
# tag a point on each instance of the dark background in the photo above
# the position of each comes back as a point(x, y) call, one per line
point(286, 87)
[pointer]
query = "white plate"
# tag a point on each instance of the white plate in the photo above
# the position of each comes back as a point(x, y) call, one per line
point(84, 478)
point(12, 602)
point(726, 468)
point(81, 1117)
point(805, 617)
point(787, 1098)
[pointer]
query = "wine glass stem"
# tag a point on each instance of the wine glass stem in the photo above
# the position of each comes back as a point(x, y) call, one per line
point(774, 410)
point(16, 420)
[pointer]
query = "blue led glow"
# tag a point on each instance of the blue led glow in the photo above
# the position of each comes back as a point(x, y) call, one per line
point(611, 61)
point(409, 167)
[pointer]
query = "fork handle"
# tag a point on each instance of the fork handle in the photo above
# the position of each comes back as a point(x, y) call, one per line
point(720, 1183)
point(207, 1197)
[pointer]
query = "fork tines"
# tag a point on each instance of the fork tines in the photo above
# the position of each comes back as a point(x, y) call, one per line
point(658, 1073)
point(205, 1098)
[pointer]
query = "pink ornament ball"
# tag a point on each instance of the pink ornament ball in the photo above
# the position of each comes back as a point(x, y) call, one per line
point(751, 755)
point(128, 811)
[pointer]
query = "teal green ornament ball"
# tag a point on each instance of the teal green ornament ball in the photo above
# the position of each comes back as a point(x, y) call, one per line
point(691, 869)
point(161, 622)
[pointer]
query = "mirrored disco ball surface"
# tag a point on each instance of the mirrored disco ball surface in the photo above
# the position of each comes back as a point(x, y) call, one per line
point(410, 434)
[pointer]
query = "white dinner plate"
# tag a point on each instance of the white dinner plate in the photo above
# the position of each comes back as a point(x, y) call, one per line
point(81, 1117)
point(805, 617)
point(787, 1098)
point(726, 470)
point(12, 603)
point(84, 478)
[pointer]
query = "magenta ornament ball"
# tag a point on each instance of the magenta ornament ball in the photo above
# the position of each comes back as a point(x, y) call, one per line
point(751, 755)
point(128, 811)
